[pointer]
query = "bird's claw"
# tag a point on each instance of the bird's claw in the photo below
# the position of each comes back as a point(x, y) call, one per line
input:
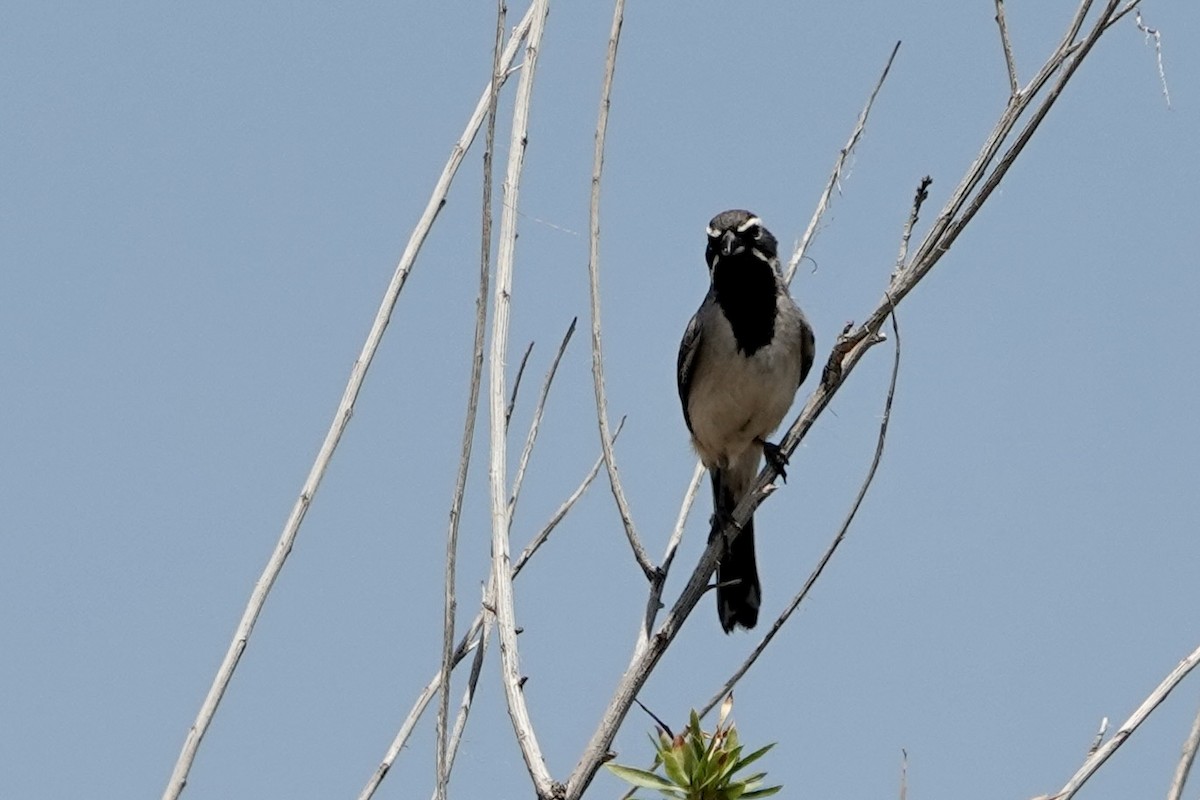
point(774, 455)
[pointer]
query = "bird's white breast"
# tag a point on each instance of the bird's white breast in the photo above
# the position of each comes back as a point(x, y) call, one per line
point(736, 398)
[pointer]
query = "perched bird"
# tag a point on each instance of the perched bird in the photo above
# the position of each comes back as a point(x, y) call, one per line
point(745, 353)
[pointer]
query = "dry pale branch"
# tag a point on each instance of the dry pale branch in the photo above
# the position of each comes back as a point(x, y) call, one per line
point(973, 190)
point(1099, 740)
point(1102, 753)
point(1156, 35)
point(1006, 44)
point(659, 581)
point(1186, 759)
point(464, 708)
point(442, 764)
point(836, 176)
point(610, 461)
point(512, 398)
point(535, 425)
point(913, 215)
point(654, 601)
point(341, 419)
point(506, 625)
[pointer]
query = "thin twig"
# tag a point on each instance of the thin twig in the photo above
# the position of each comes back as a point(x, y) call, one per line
point(610, 459)
point(1099, 738)
point(341, 419)
point(1156, 35)
point(833, 545)
point(836, 176)
point(506, 624)
point(654, 601)
point(914, 214)
point(1006, 43)
point(685, 508)
point(464, 708)
point(1102, 754)
point(512, 398)
point(1186, 759)
point(903, 774)
point(535, 424)
point(441, 763)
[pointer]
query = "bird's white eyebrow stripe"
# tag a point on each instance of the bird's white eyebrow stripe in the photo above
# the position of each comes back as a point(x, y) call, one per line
point(748, 224)
point(713, 233)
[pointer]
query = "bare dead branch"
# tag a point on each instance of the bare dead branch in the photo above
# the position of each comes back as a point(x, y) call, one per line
point(1156, 35)
point(1099, 739)
point(512, 398)
point(1186, 759)
point(689, 498)
point(506, 625)
point(464, 708)
point(341, 419)
point(914, 214)
point(836, 176)
point(658, 583)
point(833, 545)
point(903, 774)
point(1006, 43)
point(1102, 754)
point(441, 763)
point(535, 424)
point(610, 460)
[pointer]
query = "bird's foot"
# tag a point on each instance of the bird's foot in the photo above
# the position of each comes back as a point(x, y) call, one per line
point(721, 520)
point(775, 457)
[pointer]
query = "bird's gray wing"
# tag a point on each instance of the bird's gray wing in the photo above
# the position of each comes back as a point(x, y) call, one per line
point(685, 366)
point(808, 348)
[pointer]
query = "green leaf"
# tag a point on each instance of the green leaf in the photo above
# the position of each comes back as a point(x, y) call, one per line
point(673, 763)
point(770, 790)
point(755, 756)
point(641, 778)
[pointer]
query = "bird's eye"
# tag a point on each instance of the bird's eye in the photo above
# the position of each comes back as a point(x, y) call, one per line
point(756, 232)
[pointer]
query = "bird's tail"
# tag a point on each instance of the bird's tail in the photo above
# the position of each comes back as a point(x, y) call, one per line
point(738, 592)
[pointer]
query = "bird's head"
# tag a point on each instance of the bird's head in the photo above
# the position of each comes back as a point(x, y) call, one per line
point(737, 232)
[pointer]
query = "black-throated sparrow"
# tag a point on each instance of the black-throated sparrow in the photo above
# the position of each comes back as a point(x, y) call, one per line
point(742, 358)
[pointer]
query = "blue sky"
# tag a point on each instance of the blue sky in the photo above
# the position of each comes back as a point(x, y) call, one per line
point(200, 208)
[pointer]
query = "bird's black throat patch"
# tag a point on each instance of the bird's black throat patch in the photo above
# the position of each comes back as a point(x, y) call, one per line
point(744, 286)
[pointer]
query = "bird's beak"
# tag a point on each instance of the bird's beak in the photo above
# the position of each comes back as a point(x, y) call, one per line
point(729, 244)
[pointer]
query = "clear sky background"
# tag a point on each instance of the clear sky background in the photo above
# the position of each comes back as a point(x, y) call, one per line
point(200, 207)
